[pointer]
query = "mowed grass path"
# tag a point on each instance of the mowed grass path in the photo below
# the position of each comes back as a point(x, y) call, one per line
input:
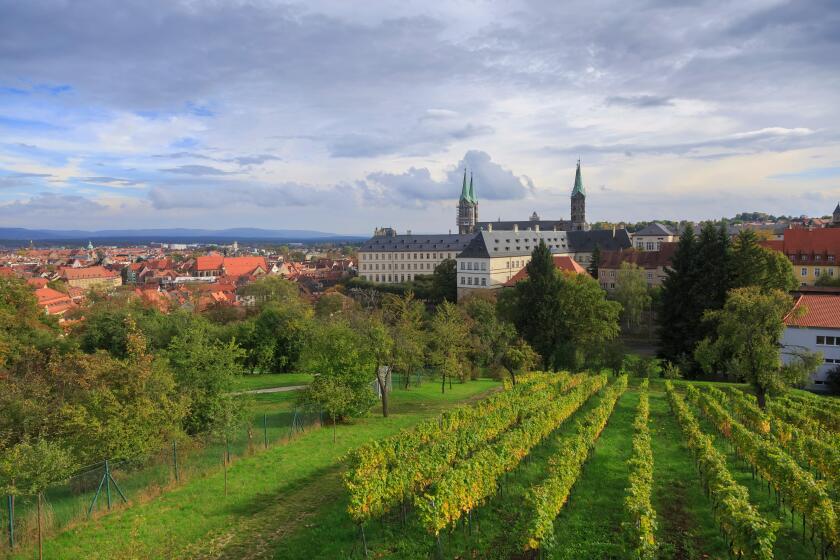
point(197, 519)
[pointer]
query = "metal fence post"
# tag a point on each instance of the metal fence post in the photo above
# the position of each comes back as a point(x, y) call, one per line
point(175, 459)
point(265, 431)
point(108, 482)
point(10, 505)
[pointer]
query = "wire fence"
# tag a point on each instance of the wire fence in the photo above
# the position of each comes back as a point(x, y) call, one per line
point(106, 485)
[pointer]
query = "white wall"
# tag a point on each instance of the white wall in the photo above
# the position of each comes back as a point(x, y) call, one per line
point(807, 338)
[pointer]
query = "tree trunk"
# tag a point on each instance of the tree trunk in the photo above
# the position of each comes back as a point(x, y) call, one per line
point(40, 533)
point(443, 381)
point(761, 396)
point(333, 418)
point(513, 378)
point(383, 388)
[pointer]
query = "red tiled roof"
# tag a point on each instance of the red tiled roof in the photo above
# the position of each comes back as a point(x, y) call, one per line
point(87, 273)
point(809, 241)
point(564, 263)
point(238, 266)
point(822, 310)
point(209, 262)
point(37, 282)
point(775, 244)
point(53, 301)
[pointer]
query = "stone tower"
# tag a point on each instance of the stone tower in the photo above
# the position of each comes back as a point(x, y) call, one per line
point(467, 207)
point(578, 215)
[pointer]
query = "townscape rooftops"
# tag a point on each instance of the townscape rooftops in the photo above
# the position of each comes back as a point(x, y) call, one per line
point(655, 229)
point(434, 242)
point(644, 259)
point(69, 273)
point(510, 225)
point(812, 241)
point(822, 311)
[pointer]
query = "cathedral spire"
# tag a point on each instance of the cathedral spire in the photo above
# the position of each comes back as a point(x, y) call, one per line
point(465, 194)
point(578, 188)
point(473, 199)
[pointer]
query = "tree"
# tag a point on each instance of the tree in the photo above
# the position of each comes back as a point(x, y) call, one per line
point(828, 281)
point(329, 304)
point(561, 315)
point(680, 310)
point(595, 262)
point(331, 397)
point(445, 282)
point(632, 293)
point(205, 370)
point(749, 328)
point(490, 336)
point(275, 338)
point(519, 357)
point(377, 342)
point(273, 289)
point(405, 315)
point(760, 266)
point(449, 339)
point(336, 354)
point(28, 468)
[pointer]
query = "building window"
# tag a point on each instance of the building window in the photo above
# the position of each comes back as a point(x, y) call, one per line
point(817, 258)
point(484, 266)
point(469, 266)
point(650, 275)
point(830, 258)
point(831, 272)
point(804, 272)
point(463, 265)
point(484, 281)
point(612, 273)
point(650, 246)
point(469, 281)
point(463, 280)
point(816, 272)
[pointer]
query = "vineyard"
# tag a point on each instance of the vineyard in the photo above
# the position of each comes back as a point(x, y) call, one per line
point(518, 475)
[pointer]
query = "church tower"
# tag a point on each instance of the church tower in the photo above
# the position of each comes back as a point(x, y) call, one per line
point(578, 215)
point(467, 207)
point(835, 218)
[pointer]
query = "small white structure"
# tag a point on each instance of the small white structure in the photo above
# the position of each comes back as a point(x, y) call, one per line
point(817, 330)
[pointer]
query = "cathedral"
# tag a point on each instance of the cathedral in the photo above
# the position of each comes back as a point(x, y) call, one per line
point(467, 220)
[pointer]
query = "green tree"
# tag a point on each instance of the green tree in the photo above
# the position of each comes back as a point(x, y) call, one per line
point(749, 328)
point(28, 468)
point(205, 370)
point(519, 357)
point(448, 342)
point(379, 345)
point(445, 282)
point(632, 293)
point(755, 265)
point(332, 397)
point(490, 335)
point(681, 310)
point(405, 315)
point(275, 338)
point(562, 316)
point(336, 354)
point(595, 262)
point(274, 289)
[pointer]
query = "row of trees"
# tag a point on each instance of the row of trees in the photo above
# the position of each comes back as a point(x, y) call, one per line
point(722, 311)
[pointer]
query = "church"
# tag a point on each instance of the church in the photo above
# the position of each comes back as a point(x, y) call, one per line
point(487, 254)
point(468, 222)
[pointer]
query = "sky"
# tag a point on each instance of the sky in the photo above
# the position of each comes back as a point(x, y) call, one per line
point(343, 116)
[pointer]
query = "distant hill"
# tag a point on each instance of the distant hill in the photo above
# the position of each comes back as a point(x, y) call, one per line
point(169, 234)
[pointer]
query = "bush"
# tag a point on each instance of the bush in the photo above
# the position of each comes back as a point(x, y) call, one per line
point(671, 371)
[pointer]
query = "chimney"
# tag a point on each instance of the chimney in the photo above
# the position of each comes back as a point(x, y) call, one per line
point(490, 226)
point(536, 227)
point(515, 227)
point(613, 230)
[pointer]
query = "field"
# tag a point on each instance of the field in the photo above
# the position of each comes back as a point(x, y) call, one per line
point(561, 466)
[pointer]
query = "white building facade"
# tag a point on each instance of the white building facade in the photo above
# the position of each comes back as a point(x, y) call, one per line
point(818, 330)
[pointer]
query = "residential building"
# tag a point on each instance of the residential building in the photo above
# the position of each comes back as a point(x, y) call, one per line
point(652, 236)
point(493, 258)
point(91, 276)
point(219, 265)
point(653, 263)
point(52, 301)
point(813, 252)
point(817, 330)
point(391, 258)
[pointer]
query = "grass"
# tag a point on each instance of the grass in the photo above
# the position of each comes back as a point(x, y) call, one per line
point(198, 520)
point(269, 380)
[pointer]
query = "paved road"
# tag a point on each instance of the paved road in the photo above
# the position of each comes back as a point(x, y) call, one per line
point(270, 390)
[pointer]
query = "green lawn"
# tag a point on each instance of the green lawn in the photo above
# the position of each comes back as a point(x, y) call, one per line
point(268, 380)
point(198, 520)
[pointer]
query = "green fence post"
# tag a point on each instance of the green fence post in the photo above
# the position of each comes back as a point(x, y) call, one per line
point(265, 431)
point(108, 483)
point(175, 459)
point(10, 504)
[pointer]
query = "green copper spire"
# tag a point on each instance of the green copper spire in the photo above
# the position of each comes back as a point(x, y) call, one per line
point(465, 194)
point(473, 199)
point(578, 182)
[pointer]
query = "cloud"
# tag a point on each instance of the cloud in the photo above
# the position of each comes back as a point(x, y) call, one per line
point(197, 170)
point(809, 174)
point(260, 195)
point(108, 181)
point(21, 180)
point(641, 101)
point(257, 159)
point(48, 204)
